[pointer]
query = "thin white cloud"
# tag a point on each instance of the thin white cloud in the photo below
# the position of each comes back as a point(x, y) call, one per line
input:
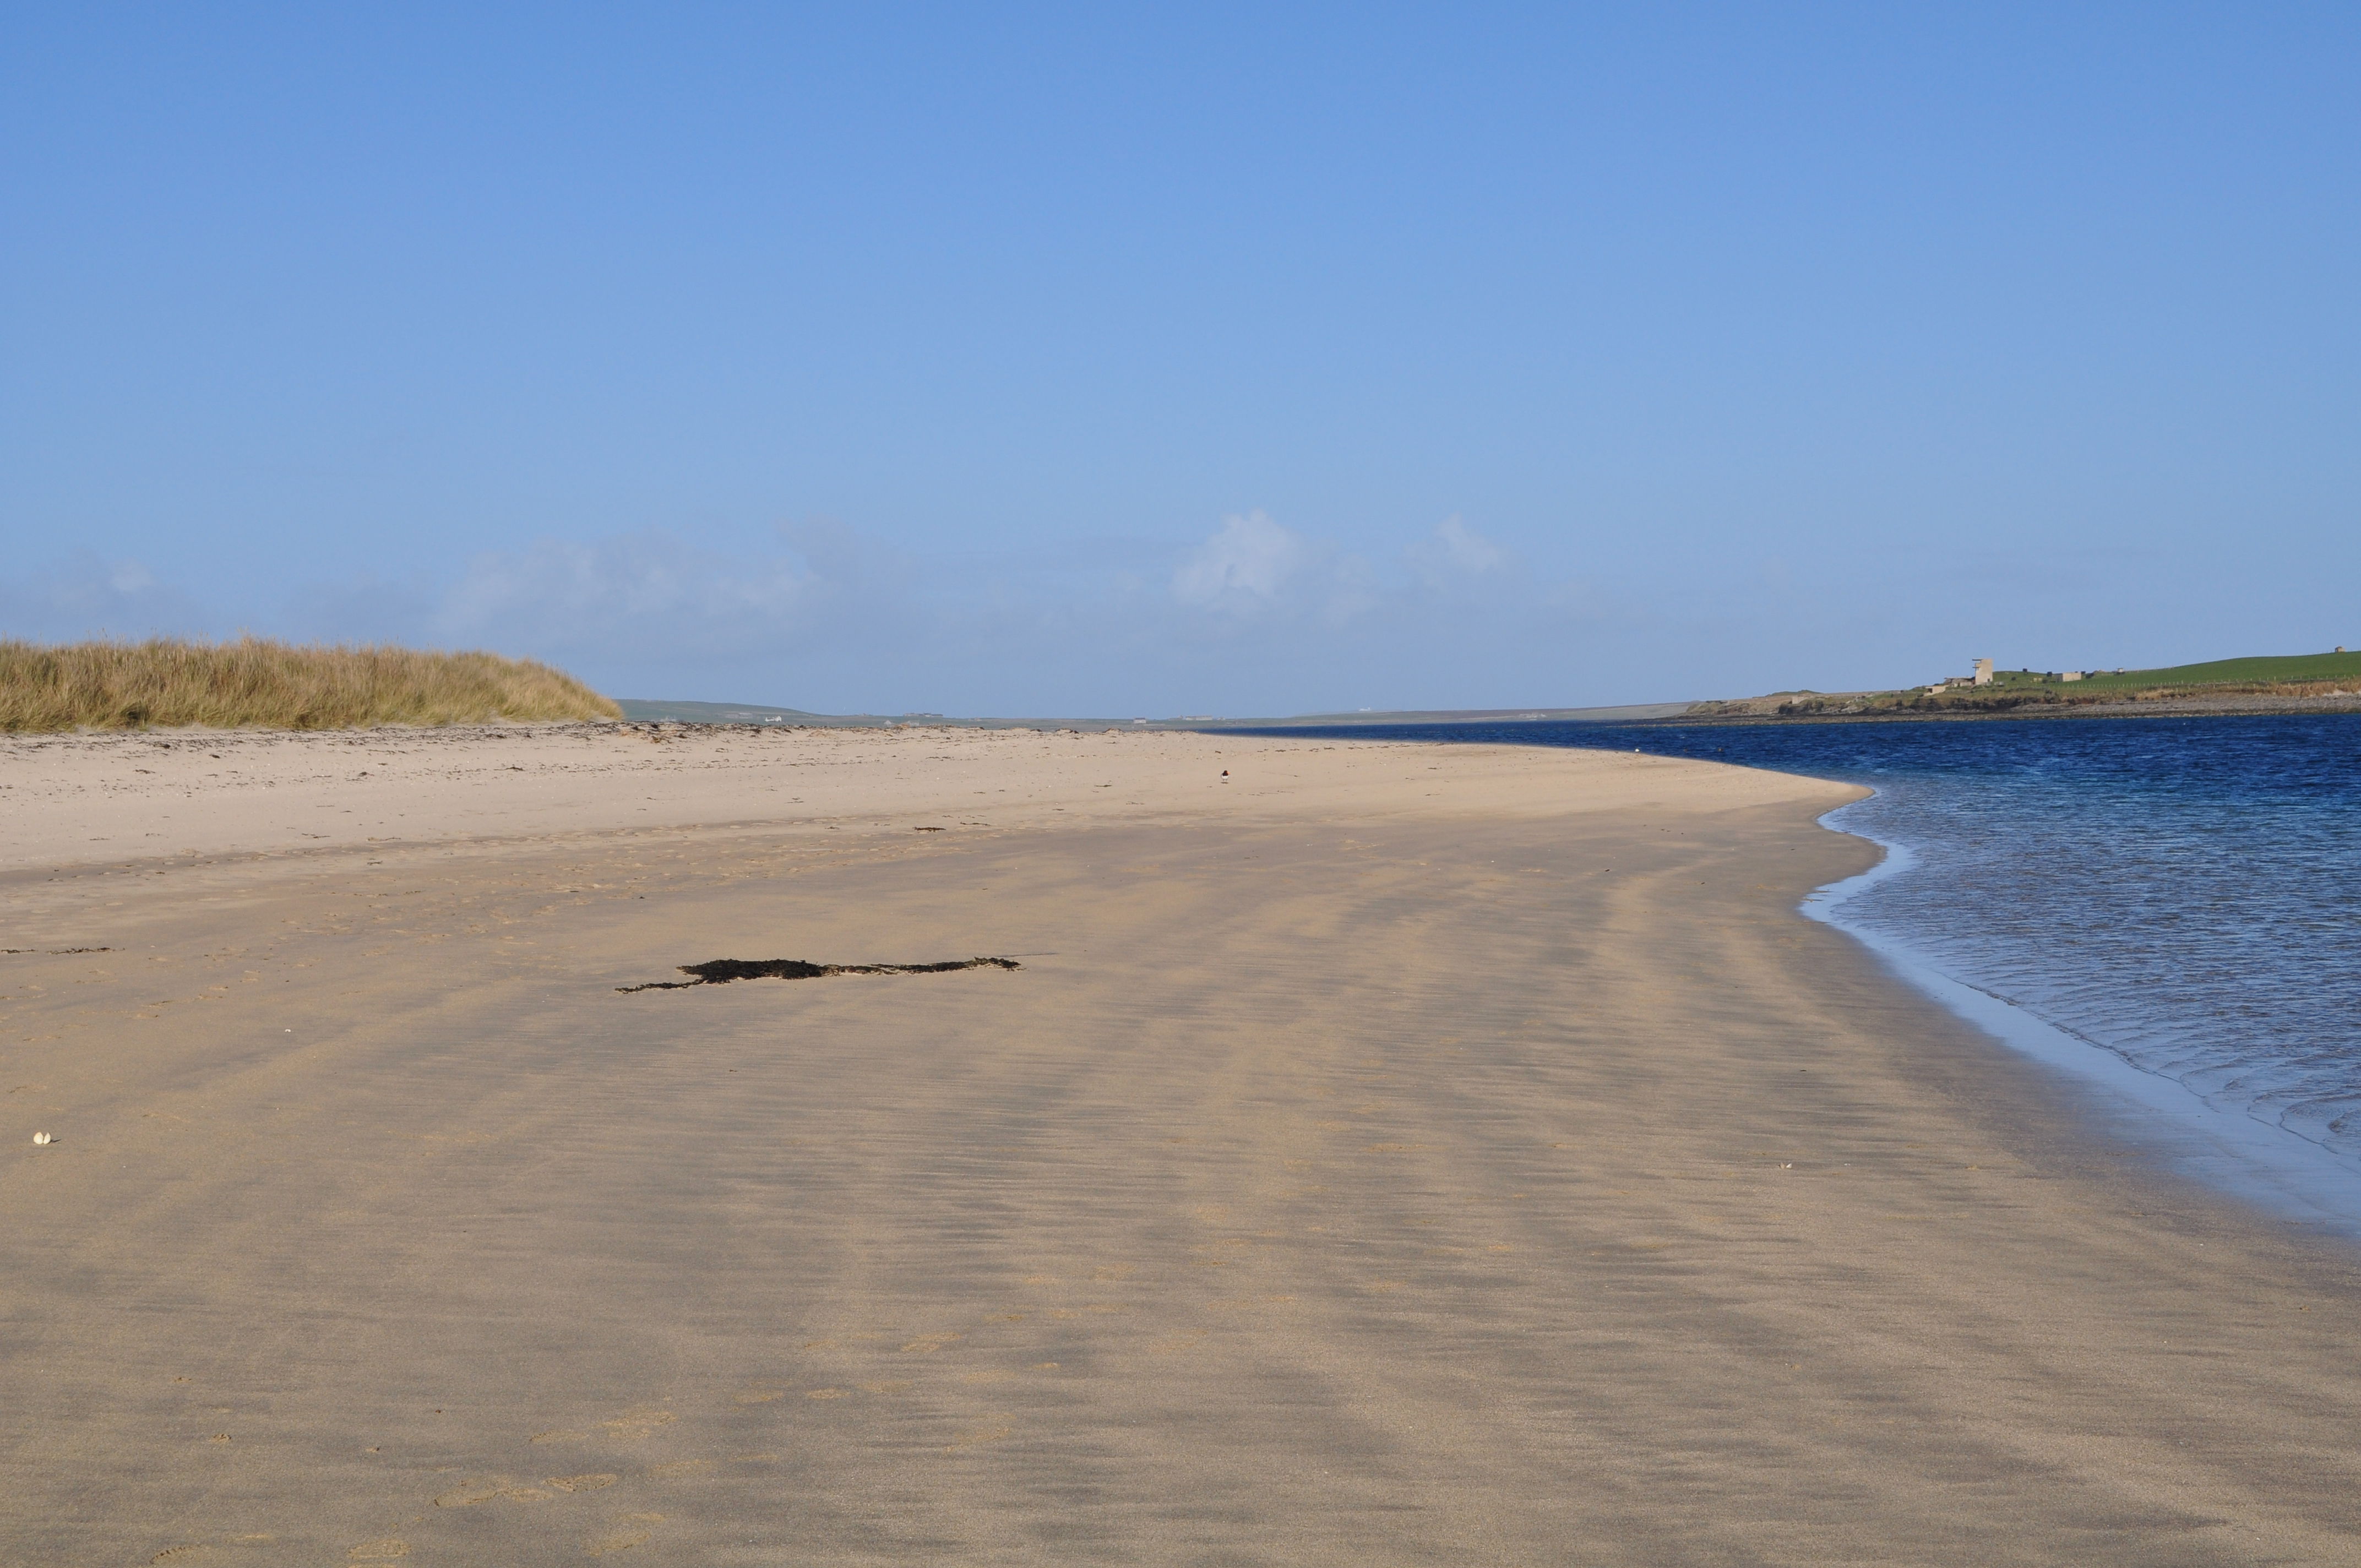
point(83, 594)
point(1252, 617)
point(1466, 548)
point(129, 578)
point(1253, 567)
point(1250, 560)
point(640, 590)
point(1454, 554)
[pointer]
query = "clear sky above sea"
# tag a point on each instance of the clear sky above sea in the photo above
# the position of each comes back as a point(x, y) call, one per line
point(1189, 359)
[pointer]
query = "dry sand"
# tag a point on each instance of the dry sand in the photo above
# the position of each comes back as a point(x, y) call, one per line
point(1389, 1154)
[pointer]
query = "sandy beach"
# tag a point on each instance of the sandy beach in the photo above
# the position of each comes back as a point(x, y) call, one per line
point(1383, 1154)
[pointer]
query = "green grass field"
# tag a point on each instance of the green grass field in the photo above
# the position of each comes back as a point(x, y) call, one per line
point(2021, 692)
point(2268, 670)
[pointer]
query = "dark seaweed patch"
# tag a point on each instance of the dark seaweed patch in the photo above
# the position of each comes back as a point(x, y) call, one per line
point(721, 971)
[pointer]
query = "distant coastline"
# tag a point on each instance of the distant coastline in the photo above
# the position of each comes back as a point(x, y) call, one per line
point(2310, 683)
point(2274, 684)
point(652, 710)
point(1784, 707)
point(1831, 709)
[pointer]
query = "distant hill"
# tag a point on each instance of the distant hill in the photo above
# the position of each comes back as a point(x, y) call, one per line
point(654, 710)
point(2268, 683)
point(641, 710)
point(2272, 670)
point(1627, 713)
point(644, 710)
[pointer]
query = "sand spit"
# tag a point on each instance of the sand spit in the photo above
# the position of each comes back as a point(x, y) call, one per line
point(1389, 1154)
point(74, 799)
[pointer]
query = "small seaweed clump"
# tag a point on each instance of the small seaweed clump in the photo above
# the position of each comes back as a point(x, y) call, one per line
point(275, 686)
point(721, 971)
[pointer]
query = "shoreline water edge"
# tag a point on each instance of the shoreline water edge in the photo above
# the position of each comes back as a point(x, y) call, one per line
point(2263, 1163)
point(2159, 908)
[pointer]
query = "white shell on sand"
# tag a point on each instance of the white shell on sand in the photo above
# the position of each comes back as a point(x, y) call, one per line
point(40, 1138)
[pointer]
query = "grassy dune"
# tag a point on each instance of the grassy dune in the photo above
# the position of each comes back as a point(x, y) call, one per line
point(275, 686)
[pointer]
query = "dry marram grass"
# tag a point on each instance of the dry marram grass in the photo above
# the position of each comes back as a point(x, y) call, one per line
point(275, 686)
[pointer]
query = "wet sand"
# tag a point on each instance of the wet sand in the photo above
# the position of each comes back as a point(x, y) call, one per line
point(1388, 1155)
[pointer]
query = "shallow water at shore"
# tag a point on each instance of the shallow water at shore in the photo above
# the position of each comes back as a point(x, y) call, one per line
point(2183, 892)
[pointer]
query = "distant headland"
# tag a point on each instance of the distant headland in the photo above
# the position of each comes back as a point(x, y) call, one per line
point(2255, 684)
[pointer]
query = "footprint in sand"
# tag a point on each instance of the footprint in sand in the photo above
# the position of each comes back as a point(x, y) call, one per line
point(497, 1487)
point(205, 1551)
point(980, 1435)
point(631, 1531)
point(621, 1541)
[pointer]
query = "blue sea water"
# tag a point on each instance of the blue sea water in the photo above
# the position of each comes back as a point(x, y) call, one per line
point(2184, 894)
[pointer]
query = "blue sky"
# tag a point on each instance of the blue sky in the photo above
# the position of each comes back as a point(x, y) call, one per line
point(1203, 359)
